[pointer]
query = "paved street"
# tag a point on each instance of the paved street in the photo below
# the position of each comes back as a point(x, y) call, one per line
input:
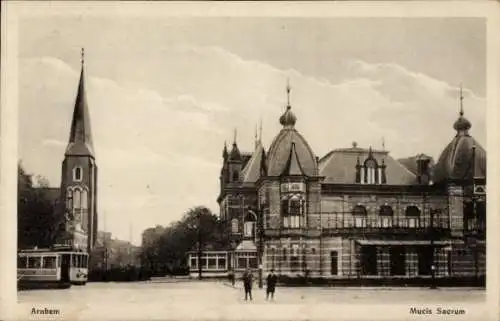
point(218, 300)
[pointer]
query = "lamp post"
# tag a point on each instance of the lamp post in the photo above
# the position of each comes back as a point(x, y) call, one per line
point(260, 229)
point(433, 266)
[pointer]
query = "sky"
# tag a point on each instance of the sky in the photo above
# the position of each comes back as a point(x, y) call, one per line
point(164, 95)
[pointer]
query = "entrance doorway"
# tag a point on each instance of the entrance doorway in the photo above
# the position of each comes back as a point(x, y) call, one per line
point(397, 254)
point(334, 260)
point(369, 260)
point(65, 265)
point(425, 259)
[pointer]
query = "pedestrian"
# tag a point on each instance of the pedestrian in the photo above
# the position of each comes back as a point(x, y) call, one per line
point(247, 284)
point(272, 279)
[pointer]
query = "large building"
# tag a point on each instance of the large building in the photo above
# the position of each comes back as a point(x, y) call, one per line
point(355, 212)
point(78, 190)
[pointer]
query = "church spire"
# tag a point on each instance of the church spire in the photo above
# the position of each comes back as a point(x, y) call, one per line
point(80, 139)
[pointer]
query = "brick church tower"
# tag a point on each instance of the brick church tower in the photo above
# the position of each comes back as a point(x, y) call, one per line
point(79, 177)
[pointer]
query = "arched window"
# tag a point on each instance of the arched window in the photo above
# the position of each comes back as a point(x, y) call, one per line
point(69, 199)
point(371, 171)
point(386, 213)
point(291, 209)
point(249, 225)
point(413, 214)
point(77, 174)
point(77, 202)
point(234, 225)
point(236, 176)
point(359, 212)
point(469, 217)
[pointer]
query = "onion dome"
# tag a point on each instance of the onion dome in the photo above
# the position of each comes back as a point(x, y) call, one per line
point(463, 158)
point(288, 119)
point(462, 124)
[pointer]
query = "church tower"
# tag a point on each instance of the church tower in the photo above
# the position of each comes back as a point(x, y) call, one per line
point(79, 177)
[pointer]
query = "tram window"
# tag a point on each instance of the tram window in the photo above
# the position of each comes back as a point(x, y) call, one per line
point(34, 262)
point(21, 262)
point(84, 259)
point(73, 260)
point(49, 262)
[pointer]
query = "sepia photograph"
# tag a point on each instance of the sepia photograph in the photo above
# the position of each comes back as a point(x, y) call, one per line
point(192, 161)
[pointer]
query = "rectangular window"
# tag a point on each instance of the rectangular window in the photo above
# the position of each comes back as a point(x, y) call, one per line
point(49, 262)
point(21, 262)
point(212, 263)
point(193, 263)
point(34, 262)
point(222, 263)
point(242, 262)
point(203, 263)
point(360, 221)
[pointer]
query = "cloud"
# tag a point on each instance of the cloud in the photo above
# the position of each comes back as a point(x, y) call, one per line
point(159, 140)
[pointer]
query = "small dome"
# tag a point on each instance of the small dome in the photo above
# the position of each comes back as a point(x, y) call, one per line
point(462, 124)
point(288, 119)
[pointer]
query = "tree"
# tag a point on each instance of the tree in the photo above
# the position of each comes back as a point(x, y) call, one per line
point(169, 251)
point(38, 219)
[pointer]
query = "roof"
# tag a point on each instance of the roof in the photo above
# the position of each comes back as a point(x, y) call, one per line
point(251, 171)
point(293, 167)
point(411, 163)
point(339, 166)
point(279, 153)
point(246, 245)
point(463, 159)
point(80, 139)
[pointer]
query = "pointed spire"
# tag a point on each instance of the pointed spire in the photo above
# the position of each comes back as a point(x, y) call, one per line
point(461, 101)
point(256, 138)
point(288, 89)
point(235, 152)
point(370, 152)
point(383, 143)
point(224, 151)
point(80, 139)
point(260, 130)
point(462, 124)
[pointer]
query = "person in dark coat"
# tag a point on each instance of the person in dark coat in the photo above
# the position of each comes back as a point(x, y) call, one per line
point(272, 279)
point(247, 284)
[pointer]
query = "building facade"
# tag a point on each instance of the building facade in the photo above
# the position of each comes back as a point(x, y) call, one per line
point(355, 212)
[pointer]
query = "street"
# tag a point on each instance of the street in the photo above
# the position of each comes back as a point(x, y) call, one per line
point(217, 300)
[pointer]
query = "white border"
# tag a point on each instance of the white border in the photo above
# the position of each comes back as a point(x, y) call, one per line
point(13, 10)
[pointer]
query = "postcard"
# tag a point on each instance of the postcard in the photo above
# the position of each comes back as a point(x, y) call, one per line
point(249, 161)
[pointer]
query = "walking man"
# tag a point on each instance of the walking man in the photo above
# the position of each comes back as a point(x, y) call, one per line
point(272, 279)
point(247, 284)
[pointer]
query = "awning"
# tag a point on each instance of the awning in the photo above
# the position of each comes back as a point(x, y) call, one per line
point(246, 245)
point(405, 242)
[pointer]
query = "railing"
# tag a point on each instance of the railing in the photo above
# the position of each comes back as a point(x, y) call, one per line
point(339, 222)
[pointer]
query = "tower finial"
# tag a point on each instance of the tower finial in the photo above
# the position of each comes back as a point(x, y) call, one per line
point(383, 143)
point(288, 89)
point(461, 101)
point(234, 138)
point(260, 130)
point(256, 139)
point(82, 58)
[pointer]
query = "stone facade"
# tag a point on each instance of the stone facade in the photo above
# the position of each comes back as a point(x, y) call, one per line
point(358, 213)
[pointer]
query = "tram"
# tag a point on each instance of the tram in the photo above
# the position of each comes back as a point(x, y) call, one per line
point(55, 267)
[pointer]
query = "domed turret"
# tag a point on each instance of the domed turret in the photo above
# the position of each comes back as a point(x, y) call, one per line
point(464, 158)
